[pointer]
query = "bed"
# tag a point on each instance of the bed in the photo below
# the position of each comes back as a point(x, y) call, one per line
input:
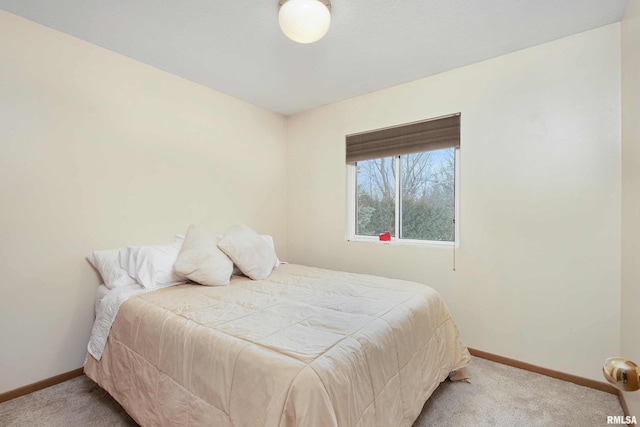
point(305, 347)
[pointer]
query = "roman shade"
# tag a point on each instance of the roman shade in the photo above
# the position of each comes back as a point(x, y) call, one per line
point(425, 135)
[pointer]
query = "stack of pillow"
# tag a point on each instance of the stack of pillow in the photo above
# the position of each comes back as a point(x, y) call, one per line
point(208, 259)
point(200, 256)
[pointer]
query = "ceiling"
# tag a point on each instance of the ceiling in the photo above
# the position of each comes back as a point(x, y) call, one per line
point(236, 46)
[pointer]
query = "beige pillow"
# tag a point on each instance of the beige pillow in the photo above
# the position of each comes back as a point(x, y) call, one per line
point(201, 261)
point(250, 252)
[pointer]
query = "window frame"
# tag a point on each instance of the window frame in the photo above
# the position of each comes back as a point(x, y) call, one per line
point(352, 202)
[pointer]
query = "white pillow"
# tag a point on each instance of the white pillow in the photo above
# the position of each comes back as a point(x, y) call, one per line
point(250, 252)
point(152, 266)
point(108, 265)
point(269, 240)
point(201, 261)
point(128, 256)
point(266, 238)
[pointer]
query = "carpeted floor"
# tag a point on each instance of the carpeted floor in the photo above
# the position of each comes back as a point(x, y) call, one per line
point(498, 395)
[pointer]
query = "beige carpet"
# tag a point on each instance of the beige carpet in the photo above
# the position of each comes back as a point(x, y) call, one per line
point(499, 395)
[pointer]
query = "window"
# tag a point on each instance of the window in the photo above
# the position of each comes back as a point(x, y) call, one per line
point(403, 180)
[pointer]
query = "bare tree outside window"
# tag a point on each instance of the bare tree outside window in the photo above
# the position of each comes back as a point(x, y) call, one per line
point(427, 196)
point(376, 193)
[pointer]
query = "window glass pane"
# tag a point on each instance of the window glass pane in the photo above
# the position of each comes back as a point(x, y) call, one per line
point(375, 193)
point(428, 198)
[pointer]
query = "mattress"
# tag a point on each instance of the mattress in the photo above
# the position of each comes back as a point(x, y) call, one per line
point(306, 347)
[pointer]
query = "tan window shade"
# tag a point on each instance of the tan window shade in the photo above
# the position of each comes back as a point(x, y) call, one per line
point(426, 135)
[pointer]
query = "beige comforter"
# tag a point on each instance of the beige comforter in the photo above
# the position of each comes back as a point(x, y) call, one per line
point(306, 347)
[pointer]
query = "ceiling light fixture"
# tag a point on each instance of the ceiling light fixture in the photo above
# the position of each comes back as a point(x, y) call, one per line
point(304, 21)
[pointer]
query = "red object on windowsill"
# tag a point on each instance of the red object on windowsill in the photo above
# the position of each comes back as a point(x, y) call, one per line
point(385, 237)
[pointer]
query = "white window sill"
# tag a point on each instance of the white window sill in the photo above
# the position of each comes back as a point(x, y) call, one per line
point(402, 242)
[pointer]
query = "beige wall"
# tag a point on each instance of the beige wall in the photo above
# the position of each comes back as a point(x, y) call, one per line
point(100, 151)
point(630, 332)
point(538, 269)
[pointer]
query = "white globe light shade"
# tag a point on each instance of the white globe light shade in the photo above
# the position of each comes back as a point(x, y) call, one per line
point(304, 21)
